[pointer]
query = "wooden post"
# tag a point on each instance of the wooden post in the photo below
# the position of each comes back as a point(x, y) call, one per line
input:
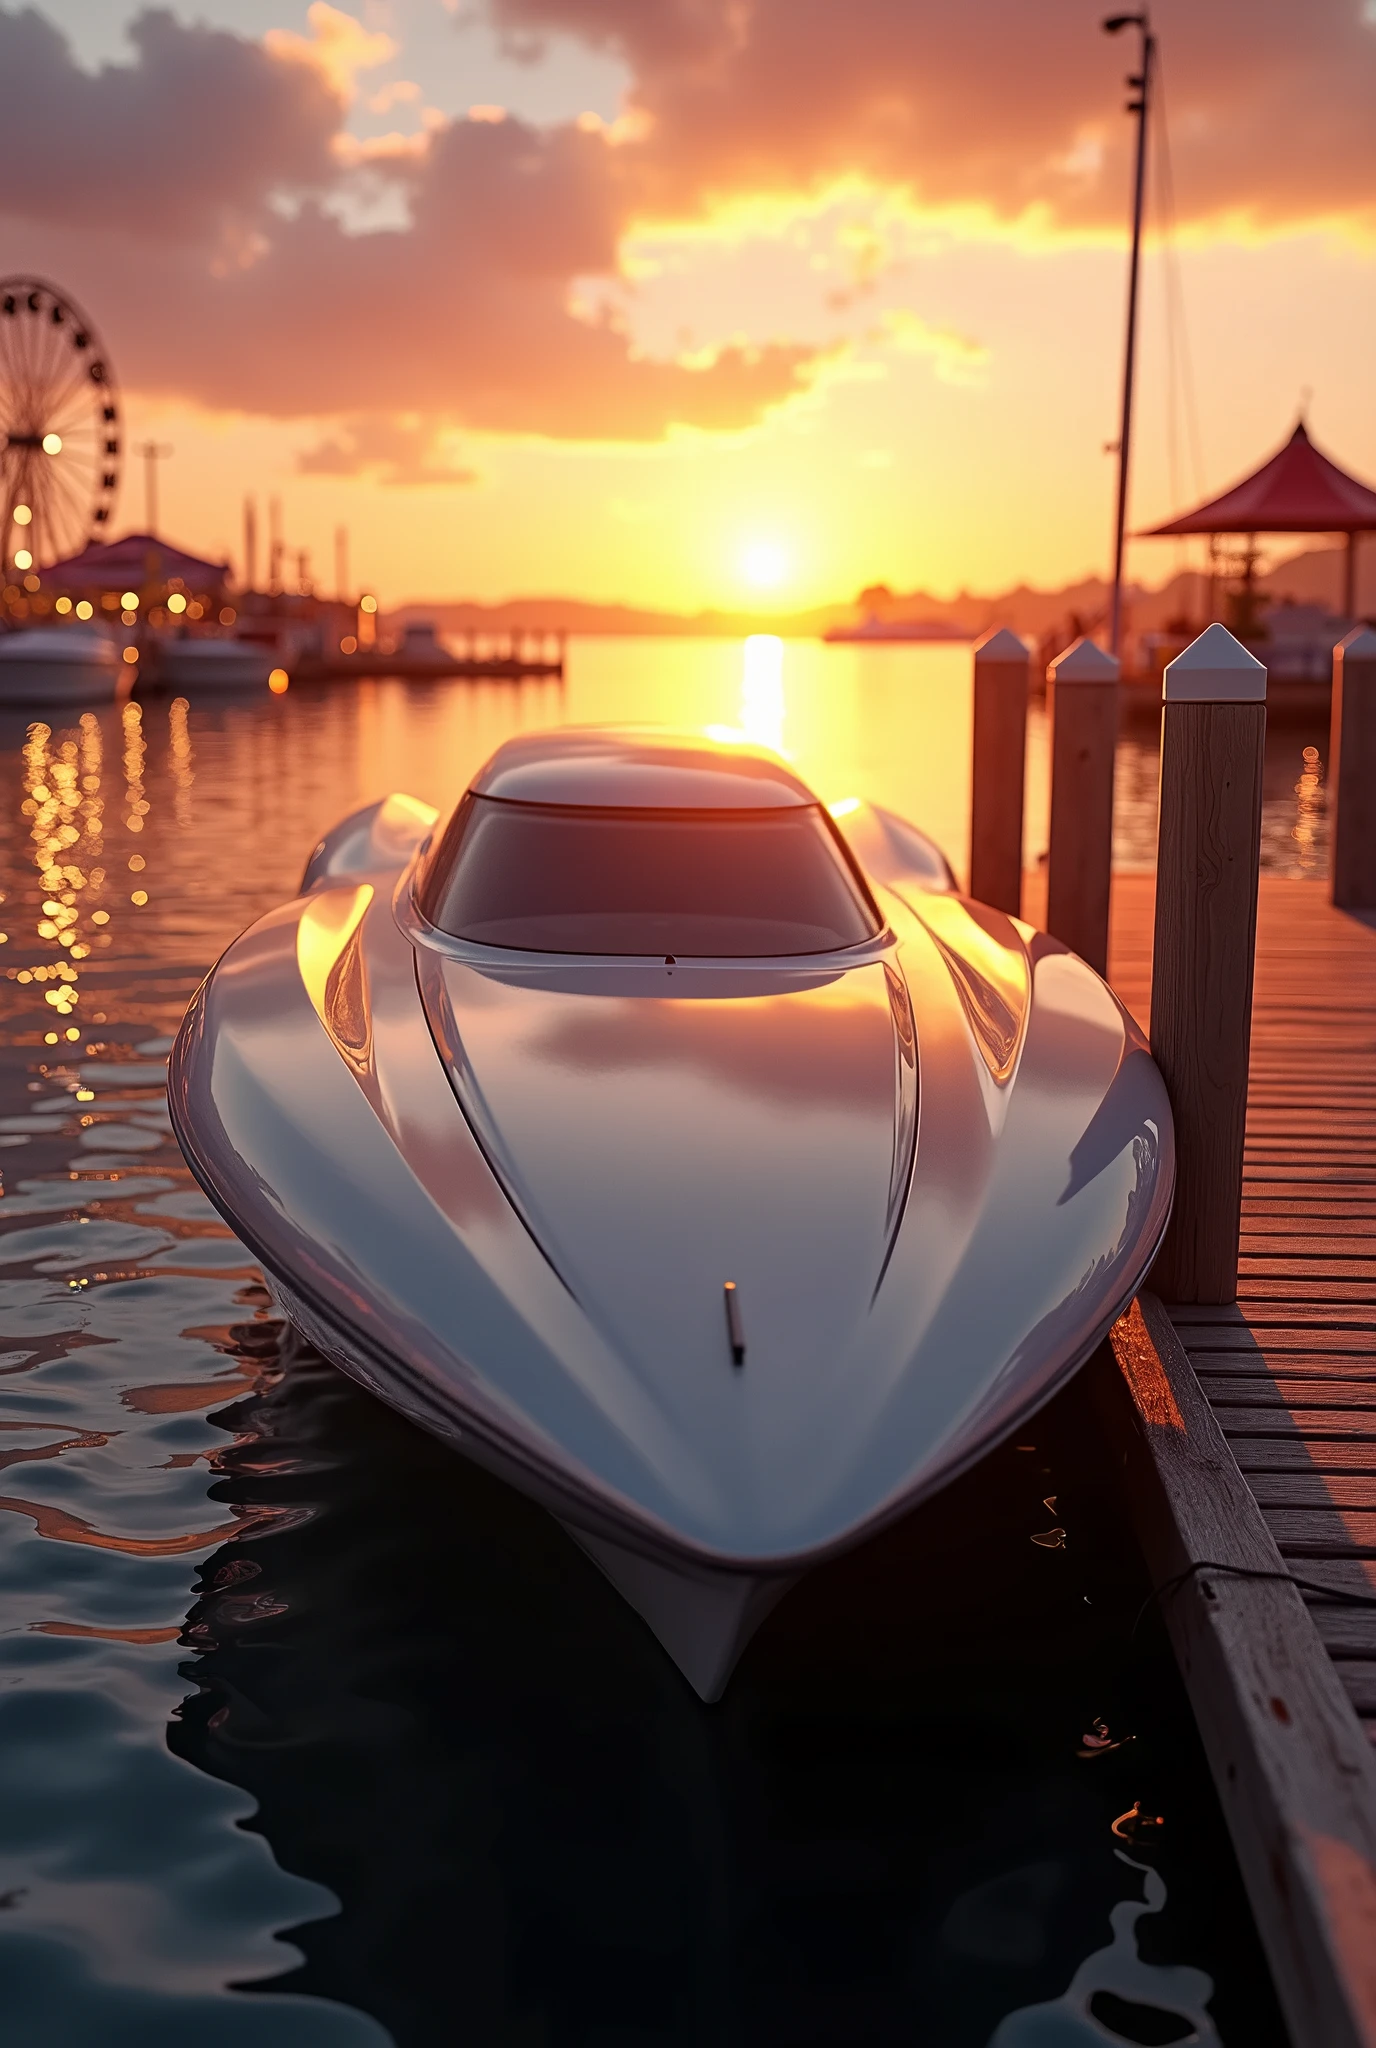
point(1000, 753)
point(1213, 737)
point(1352, 772)
point(1084, 737)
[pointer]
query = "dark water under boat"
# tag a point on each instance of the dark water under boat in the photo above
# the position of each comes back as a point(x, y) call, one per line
point(312, 1735)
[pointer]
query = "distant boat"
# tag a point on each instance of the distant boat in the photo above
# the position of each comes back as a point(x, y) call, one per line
point(872, 628)
point(420, 643)
point(207, 664)
point(43, 665)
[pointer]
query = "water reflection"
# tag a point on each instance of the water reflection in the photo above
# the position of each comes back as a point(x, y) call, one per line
point(444, 1714)
point(1310, 810)
point(762, 691)
point(1117, 1995)
point(291, 1698)
point(61, 781)
point(180, 760)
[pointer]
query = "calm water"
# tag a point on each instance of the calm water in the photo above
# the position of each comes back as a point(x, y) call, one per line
point(311, 1735)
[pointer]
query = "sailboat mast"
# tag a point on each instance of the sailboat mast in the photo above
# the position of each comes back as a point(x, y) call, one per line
point(1139, 83)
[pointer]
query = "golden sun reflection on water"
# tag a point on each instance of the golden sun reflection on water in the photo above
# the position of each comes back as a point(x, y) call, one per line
point(163, 827)
point(61, 775)
point(762, 691)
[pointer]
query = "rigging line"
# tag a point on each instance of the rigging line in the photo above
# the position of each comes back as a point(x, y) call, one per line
point(1164, 225)
point(1175, 282)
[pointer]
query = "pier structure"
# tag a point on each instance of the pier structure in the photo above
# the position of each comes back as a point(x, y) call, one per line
point(1238, 1393)
point(513, 656)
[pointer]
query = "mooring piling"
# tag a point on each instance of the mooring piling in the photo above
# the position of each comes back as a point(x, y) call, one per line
point(1083, 703)
point(1213, 736)
point(1002, 671)
point(1352, 772)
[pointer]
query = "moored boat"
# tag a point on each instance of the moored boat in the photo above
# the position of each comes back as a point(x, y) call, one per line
point(41, 665)
point(704, 1165)
point(207, 664)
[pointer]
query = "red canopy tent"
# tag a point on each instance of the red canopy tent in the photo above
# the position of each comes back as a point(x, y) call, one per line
point(139, 561)
point(1298, 491)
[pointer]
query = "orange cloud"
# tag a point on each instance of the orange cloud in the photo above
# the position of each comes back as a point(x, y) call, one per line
point(200, 196)
point(398, 451)
point(992, 103)
point(200, 132)
point(339, 47)
point(158, 189)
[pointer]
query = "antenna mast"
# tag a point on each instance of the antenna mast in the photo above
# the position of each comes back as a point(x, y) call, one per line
point(1139, 84)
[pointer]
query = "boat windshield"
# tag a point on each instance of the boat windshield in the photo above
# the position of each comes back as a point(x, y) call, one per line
point(563, 878)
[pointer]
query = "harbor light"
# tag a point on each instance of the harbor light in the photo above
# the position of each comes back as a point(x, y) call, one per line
point(131, 655)
point(176, 602)
point(23, 559)
point(277, 681)
point(52, 444)
point(63, 606)
point(367, 604)
point(130, 601)
point(85, 609)
point(23, 514)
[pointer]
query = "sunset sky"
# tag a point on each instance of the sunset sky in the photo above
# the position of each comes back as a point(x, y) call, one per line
point(694, 302)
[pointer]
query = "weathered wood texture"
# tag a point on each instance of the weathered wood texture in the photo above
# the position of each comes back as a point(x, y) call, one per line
point(1295, 1775)
point(1289, 1370)
point(1084, 735)
point(999, 771)
point(1211, 768)
point(1352, 774)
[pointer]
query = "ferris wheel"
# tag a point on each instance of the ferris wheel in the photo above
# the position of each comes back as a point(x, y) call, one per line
point(59, 427)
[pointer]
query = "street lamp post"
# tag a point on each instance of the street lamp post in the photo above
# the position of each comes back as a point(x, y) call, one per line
point(1139, 84)
point(153, 453)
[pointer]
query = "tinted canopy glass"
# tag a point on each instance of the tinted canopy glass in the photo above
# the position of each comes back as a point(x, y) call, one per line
point(556, 878)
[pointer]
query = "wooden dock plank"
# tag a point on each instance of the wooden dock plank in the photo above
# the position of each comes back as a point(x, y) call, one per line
point(1278, 1394)
point(1295, 1770)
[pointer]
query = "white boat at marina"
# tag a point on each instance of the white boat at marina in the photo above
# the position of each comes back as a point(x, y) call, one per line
point(206, 664)
point(41, 665)
point(706, 1167)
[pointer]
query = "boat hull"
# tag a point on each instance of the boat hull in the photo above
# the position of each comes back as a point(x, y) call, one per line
point(47, 684)
point(502, 1195)
point(207, 666)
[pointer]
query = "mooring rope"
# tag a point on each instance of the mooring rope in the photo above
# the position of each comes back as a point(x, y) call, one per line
point(1241, 1571)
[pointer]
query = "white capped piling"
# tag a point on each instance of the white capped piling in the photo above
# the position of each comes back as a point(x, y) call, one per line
point(1213, 738)
point(1083, 703)
point(1002, 670)
point(1352, 771)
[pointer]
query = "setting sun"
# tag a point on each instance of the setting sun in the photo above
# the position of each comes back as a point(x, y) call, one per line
point(764, 564)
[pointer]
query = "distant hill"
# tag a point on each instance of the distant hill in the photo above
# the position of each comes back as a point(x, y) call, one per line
point(1313, 576)
point(581, 615)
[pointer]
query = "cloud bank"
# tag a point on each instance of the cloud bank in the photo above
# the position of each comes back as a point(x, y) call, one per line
point(995, 104)
point(198, 196)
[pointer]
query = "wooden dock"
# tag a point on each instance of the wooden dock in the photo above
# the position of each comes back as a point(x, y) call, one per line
point(1290, 1371)
point(515, 657)
point(1255, 1442)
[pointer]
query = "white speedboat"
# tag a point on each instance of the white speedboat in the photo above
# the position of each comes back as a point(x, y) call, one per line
point(56, 665)
point(726, 1183)
point(208, 664)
